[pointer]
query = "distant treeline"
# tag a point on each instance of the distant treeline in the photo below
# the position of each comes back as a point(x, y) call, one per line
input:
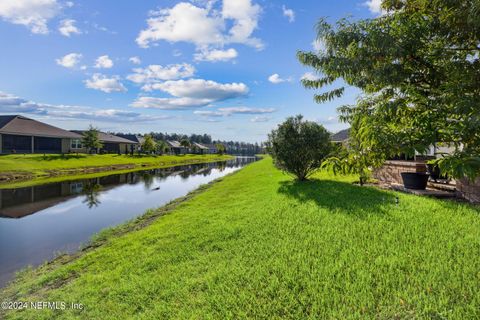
point(232, 147)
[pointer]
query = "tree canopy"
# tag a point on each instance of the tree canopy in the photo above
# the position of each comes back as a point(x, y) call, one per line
point(90, 139)
point(298, 147)
point(418, 66)
point(149, 145)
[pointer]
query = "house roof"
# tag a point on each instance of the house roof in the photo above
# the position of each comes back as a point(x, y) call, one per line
point(132, 137)
point(174, 144)
point(341, 136)
point(200, 146)
point(109, 138)
point(21, 125)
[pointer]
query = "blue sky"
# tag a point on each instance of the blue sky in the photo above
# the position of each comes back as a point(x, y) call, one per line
point(227, 67)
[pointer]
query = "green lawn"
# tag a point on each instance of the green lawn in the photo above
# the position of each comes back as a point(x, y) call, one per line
point(257, 245)
point(37, 165)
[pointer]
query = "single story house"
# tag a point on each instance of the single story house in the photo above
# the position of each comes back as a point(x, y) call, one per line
point(19, 134)
point(200, 148)
point(135, 138)
point(111, 143)
point(176, 148)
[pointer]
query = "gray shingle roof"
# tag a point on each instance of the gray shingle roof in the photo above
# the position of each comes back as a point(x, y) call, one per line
point(25, 126)
point(341, 136)
point(109, 138)
point(200, 146)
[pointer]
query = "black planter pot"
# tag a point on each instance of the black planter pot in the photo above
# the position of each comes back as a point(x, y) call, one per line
point(415, 180)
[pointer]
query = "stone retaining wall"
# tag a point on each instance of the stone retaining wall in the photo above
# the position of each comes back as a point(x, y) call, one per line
point(390, 171)
point(469, 190)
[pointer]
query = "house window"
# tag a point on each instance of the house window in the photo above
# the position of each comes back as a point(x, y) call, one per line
point(76, 144)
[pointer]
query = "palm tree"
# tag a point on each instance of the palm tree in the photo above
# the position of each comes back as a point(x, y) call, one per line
point(185, 143)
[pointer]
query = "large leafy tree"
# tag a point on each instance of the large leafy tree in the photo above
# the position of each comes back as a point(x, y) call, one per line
point(90, 139)
point(298, 147)
point(149, 145)
point(418, 66)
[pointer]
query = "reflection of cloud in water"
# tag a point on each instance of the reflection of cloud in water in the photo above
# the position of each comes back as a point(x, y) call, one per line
point(63, 208)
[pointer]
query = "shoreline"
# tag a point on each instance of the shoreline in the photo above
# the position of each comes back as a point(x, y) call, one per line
point(18, 179)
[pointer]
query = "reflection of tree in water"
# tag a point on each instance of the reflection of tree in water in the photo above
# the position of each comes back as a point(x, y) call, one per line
point(91, 190)
point(221, 165)
point(148, 179)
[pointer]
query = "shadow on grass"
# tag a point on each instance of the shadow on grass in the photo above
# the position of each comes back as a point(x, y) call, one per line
point(336, 195)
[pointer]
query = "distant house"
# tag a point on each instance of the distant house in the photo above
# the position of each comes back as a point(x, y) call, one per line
point(341, 136)
point(135, 138)
point(20, 134)
point(200, 148)
point(176, 147)
point(212, 148)
point(111, 143)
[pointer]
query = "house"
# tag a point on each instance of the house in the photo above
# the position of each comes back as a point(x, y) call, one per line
point(212, 148)
point(341, 136)
point(19, 134)
point(176, 148)
point(135, 138)
point(111, 143)
point(200, 148)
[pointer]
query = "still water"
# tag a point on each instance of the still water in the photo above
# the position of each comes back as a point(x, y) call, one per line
point(38, 222)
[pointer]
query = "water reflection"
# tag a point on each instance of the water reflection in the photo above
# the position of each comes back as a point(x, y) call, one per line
point(37, 221)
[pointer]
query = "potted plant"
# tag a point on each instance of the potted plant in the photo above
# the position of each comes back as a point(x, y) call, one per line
point(415, 180)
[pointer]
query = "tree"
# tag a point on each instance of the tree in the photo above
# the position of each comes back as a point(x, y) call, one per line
point(185, 143)
point(149, 145)
point(298, 147)
point(90, 139)
point(162, 147)
point(418, 67)
point(220, 148)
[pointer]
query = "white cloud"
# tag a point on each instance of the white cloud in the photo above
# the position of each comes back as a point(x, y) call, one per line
point(276, 79)
point(15, 105)
point(204, 26)
point(70, 60)
point(67, 27)
point(155, 73)
point(202, 89)
point(169, 103)
point(33, 14)
point(246, 110)
point(192, 93)
point(105, 84)
point(375, 6)
point(260, 119)
point(103, 62)
point(289, 13)
point(135, 60)
point(209, 113)
point(309, 76)
point(216, 55)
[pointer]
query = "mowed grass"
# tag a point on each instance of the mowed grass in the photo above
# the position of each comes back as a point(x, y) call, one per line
point(39, 164)
point(258, 245)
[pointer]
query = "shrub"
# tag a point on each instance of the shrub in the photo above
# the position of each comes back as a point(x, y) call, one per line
point(298, 147)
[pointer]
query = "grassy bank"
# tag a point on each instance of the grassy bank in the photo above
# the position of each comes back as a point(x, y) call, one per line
point(257, 245)
point(36, 166)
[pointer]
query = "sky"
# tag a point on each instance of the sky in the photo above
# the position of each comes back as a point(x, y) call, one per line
point(227, 68)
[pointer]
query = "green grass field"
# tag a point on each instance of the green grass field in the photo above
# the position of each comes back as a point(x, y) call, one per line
point(37, 165)
point(258, 245)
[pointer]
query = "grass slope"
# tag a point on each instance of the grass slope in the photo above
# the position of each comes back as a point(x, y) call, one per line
point(37, 165)
point(257, 245)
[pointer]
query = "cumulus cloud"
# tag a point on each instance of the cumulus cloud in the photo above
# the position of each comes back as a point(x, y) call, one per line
point(12, 104)
point(309, 76)
point(34, 14)
point(103, 62)
point(216, 55)
point(104, 83)
point(375, 6)
point(289, 13)
point(155, 73)
point(276, 79)
point(260, 119)
point(135, 60)
point(169, 103)
point(204, 26)
point(246, 110)
point(67, 27)
point(209, 113)
point(192, 93)
point(70, 60)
